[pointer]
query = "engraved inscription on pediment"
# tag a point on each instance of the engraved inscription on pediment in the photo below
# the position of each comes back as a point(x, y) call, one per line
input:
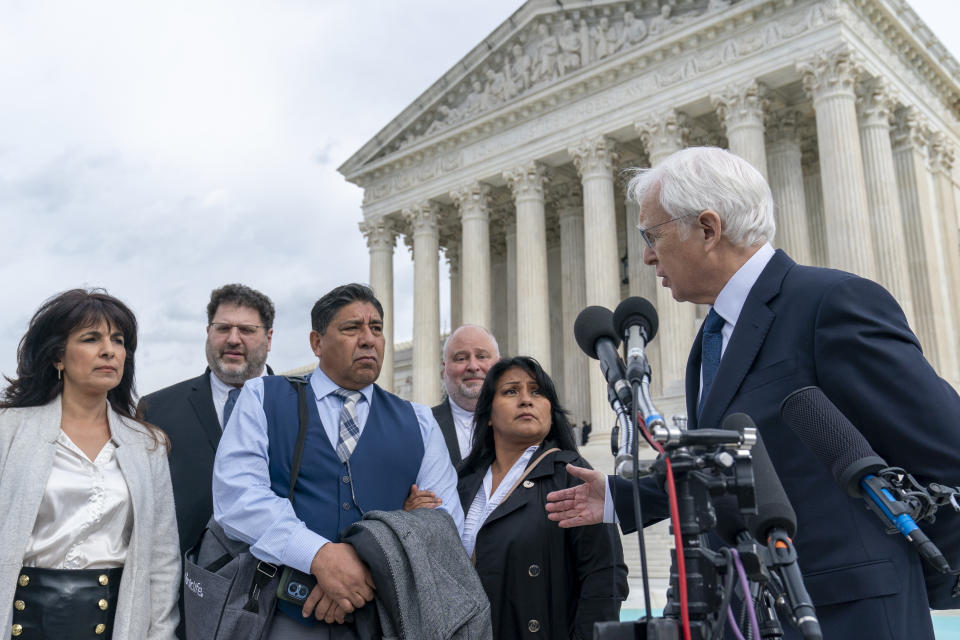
point(545, 51)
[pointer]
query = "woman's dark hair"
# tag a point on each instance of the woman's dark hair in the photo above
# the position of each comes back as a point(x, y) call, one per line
point(45, 341)
point(560, 434)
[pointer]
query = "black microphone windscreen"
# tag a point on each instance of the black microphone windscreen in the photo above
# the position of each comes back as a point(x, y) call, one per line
point(773, 507)
point(591, 324)
point(636, 310)
point(829, 434)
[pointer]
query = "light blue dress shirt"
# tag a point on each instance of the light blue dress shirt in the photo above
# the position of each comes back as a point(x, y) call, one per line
point(248, 509)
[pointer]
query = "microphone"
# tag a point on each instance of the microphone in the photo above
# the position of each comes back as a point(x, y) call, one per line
point(775, 524)
point(635, 319)
point(593, 330)
point(852, 462)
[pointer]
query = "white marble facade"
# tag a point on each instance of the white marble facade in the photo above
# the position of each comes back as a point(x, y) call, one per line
point(509, 167)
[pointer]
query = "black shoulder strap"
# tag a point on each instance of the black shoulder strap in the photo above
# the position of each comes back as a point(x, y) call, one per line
point(301, 385)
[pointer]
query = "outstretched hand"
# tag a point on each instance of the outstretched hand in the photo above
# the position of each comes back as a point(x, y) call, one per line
point(579, 505)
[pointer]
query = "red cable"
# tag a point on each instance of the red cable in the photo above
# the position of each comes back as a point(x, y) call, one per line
point(677, 537)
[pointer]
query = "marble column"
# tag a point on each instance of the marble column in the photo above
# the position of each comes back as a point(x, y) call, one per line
point(829, 79)
point(381, 237)
point(786, 184)
point(510, 235)
point(941, 165)
point(922, 234)
point(594, 159)
point(473, 202)
point(875, 109)
point(813, 193)
point(554, 289)
point(498, 273)
point(573, 298)
point(423, 219)
point(452, 253)
point(740, 109)
point(533, 299)
point(664, 133)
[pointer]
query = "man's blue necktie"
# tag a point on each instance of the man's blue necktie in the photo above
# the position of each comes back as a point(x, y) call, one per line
point(710, 350)
point(228, 407)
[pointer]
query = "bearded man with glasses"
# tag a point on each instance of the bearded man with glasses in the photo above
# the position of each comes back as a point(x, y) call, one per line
point(194, 412)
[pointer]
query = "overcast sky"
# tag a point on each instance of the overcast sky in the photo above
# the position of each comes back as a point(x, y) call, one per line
point(162, 149)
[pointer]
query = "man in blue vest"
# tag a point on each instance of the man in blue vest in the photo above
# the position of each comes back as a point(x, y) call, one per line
point(364, 449)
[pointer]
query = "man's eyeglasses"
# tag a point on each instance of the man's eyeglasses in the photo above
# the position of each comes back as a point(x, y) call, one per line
point(650, 239)
point(224, 328)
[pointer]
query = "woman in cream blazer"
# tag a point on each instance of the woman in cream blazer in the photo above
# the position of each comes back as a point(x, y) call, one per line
point(55, 434)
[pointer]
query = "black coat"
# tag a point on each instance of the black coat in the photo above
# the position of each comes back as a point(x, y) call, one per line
point(186, 414)
point(544, 581)
point(804, 326)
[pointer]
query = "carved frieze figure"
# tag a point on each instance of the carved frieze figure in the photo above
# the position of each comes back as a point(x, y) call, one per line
point(548, 51)
point(586, 54)
point(520, 69)
point(660, 23)
point(633, 32)
point(496, 90)
point(569, 48)
point(602, 44)
point(474, 102)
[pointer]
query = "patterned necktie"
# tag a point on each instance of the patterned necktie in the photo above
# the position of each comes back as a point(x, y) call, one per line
point(349, 424)
point(228, 407)
point(710, 350)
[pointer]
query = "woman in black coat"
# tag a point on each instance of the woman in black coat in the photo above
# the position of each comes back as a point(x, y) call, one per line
point(542, 581)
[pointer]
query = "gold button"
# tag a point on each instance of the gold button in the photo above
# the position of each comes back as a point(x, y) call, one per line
point(103, 604)
point(100, 628)
point(19, 605)
point(24, 580)
point(16, 630)
point(103, 580)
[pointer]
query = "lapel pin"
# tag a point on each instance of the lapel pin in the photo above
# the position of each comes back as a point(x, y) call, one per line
point(528, 484)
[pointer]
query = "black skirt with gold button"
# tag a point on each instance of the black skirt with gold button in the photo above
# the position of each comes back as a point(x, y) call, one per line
point(65, 604)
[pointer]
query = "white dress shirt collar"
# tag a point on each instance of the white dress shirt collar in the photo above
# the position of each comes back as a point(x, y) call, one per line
point(323, 386)
point(463, 422)
point(730, 301)
point(220, 390)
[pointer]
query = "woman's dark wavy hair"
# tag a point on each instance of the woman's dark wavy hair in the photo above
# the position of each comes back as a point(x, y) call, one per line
point(44, 344)
point(560, 434)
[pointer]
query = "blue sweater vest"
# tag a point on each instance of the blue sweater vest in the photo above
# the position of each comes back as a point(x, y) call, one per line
point(383, 465)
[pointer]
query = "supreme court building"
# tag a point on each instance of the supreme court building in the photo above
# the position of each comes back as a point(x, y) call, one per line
point(510, 167)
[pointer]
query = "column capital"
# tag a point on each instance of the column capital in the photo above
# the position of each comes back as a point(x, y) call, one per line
point(910, 129)
point(472, 199)
point(423, 217)
point(593, 156)
point(783, 125)
point(942, 154)
point(569, 201)
point(662, 132)
point(527, 180)
point(875, 103)
point(380, 233)
point(831, 72)
point(741, 104)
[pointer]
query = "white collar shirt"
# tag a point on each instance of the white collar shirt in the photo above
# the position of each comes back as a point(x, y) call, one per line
point(733, 296)
point(463, 421)
point(220, 390)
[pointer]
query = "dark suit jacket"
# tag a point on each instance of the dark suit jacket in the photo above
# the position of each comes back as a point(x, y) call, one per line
point(444, 415)
point(185, 412)
point(805, 326)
